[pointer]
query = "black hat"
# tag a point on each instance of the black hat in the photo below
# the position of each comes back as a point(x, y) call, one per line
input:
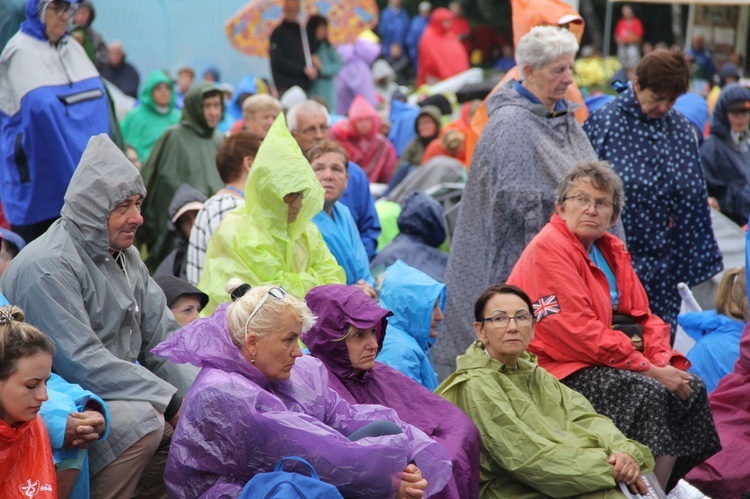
point(174, 287)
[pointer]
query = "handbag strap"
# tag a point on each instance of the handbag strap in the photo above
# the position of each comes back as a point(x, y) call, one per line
point(280, 465)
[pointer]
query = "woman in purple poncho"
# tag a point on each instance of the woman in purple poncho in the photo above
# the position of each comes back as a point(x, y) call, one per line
point(257, 399)
point(347, 337)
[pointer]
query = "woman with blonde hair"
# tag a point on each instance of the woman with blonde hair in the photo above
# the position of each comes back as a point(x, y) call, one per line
point(717, 332)
point(26, 464)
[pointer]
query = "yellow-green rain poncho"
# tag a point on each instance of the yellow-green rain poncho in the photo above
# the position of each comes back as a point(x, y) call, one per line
point(256, 244)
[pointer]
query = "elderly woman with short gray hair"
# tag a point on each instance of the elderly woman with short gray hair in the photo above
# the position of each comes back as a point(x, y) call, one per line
point(529, 143)
point(596, 333)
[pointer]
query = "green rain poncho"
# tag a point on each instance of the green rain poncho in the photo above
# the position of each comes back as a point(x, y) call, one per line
point(185, 154)
point(143, 125)
point(539, 438)
point(256, 244)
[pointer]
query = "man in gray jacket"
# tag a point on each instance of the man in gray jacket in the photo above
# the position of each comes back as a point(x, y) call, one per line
point(84, 284)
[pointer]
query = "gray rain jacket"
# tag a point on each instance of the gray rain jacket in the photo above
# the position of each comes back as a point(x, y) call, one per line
point(104, 319)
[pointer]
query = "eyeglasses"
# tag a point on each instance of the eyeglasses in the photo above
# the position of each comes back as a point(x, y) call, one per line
point(311, 130)
point(502, 321)
point(583, 202)
point(277, 292)
point(62, 8)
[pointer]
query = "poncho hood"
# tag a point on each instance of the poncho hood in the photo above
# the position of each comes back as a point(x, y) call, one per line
point(381, 69)
point(246, 85)
point(103, 179)
point(337, 306)
point(185, 194)
point(434, 113)
point(362, 49)
point(506, 95)
point(192, 112)
point(411, 295)
point(34, 24)
point(476, 358)
point(438, 17)
point(280, 169)
point(529, 13)
point(720, 120)
point(421, 217)
point(147, 100)
point(207, 343)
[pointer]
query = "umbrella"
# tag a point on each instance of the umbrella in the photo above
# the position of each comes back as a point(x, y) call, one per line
point(250, 29)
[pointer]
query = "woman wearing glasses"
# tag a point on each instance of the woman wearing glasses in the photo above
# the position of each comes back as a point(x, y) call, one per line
point(596, 333)
point(257, 400)
point(539, 438)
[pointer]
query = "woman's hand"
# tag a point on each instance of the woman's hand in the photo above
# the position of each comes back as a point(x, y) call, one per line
point(83, 428)
point(626, 470)
point(412, 483)
point(676, 381)
point(369, 291)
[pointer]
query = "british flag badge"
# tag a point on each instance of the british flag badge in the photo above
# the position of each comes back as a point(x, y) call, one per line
point(546, 305)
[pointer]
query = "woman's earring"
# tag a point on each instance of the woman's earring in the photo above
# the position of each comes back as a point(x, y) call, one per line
point(252, 361)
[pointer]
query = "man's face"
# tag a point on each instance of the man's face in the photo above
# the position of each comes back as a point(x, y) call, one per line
point(123, 222)
point(291, 10)
point(212, 109)
point(116, 54)
point(311, 128)
point(184, 80)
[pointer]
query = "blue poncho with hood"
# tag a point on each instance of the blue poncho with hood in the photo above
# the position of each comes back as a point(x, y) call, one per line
point(52, 100)
point(411, 295)
point(726, 159)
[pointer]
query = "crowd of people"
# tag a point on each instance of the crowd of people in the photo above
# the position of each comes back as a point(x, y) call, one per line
point(232, 276)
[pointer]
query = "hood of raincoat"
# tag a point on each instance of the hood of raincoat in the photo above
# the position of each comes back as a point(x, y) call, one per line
point(476, 358)
point(192, 111)
point(411, 295)
point(103, 179)
point(381, 69)
point(185, 194)
point(34, 24)
point(279, 169)
point(246, 85)
point(438, 17)
point(362, 49)
point(694, 108)
point(336, 306)
point(529, 13)
point(208, 343)
point(421, 217)
point(434, 113)
point(720, 120)
point(359, 110)
point(156, 78)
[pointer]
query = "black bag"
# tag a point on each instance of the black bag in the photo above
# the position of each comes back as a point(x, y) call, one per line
point(627, 325)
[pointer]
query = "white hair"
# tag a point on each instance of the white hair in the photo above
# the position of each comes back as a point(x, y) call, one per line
point(542, 45)
point(305, 108)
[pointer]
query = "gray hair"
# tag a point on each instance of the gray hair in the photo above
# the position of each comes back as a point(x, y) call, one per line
point(542, 45)
point(601, 175)
point(267, 317)
point(307, 107)
point(260, 102)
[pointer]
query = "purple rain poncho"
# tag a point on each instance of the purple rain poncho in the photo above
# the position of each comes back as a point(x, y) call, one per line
point(337, 306)
point(235, 423)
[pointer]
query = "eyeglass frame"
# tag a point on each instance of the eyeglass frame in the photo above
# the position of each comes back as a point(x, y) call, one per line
point(311, 130)
point(70, 10)
point(599, 204)
point(492, 320)
point(263, 300)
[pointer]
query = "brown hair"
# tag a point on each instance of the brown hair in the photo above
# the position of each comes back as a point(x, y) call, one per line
point(19, 339)
point(323, 147)
point(665, 72)
point(731, 295)
point(233, 151)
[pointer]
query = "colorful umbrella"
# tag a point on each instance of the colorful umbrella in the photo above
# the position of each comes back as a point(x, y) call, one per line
point(250, 29)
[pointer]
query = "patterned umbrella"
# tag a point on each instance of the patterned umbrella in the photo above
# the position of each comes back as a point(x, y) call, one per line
point(250, 29)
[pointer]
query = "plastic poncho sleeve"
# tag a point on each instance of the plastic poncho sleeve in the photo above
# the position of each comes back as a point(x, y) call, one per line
point(85, 358)
point(261, 262)
point(258, 440)
point(515, 445)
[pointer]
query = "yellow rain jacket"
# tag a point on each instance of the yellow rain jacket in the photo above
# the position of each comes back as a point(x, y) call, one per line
point(256, 244)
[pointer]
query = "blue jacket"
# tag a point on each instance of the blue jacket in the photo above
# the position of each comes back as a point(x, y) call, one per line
point(392, 28)
point(342, 238)
point(233, 111)
point(416, 28)
point(358, 199)
point(727, 164)
point(65, 398)
point(403, 118)
point(666, 217)
point(410, 294)
point(717, 345)
point(421, 231)
point(52, 100)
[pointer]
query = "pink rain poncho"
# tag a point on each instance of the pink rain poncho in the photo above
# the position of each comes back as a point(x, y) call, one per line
point(235, 424)
point(337, 306)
